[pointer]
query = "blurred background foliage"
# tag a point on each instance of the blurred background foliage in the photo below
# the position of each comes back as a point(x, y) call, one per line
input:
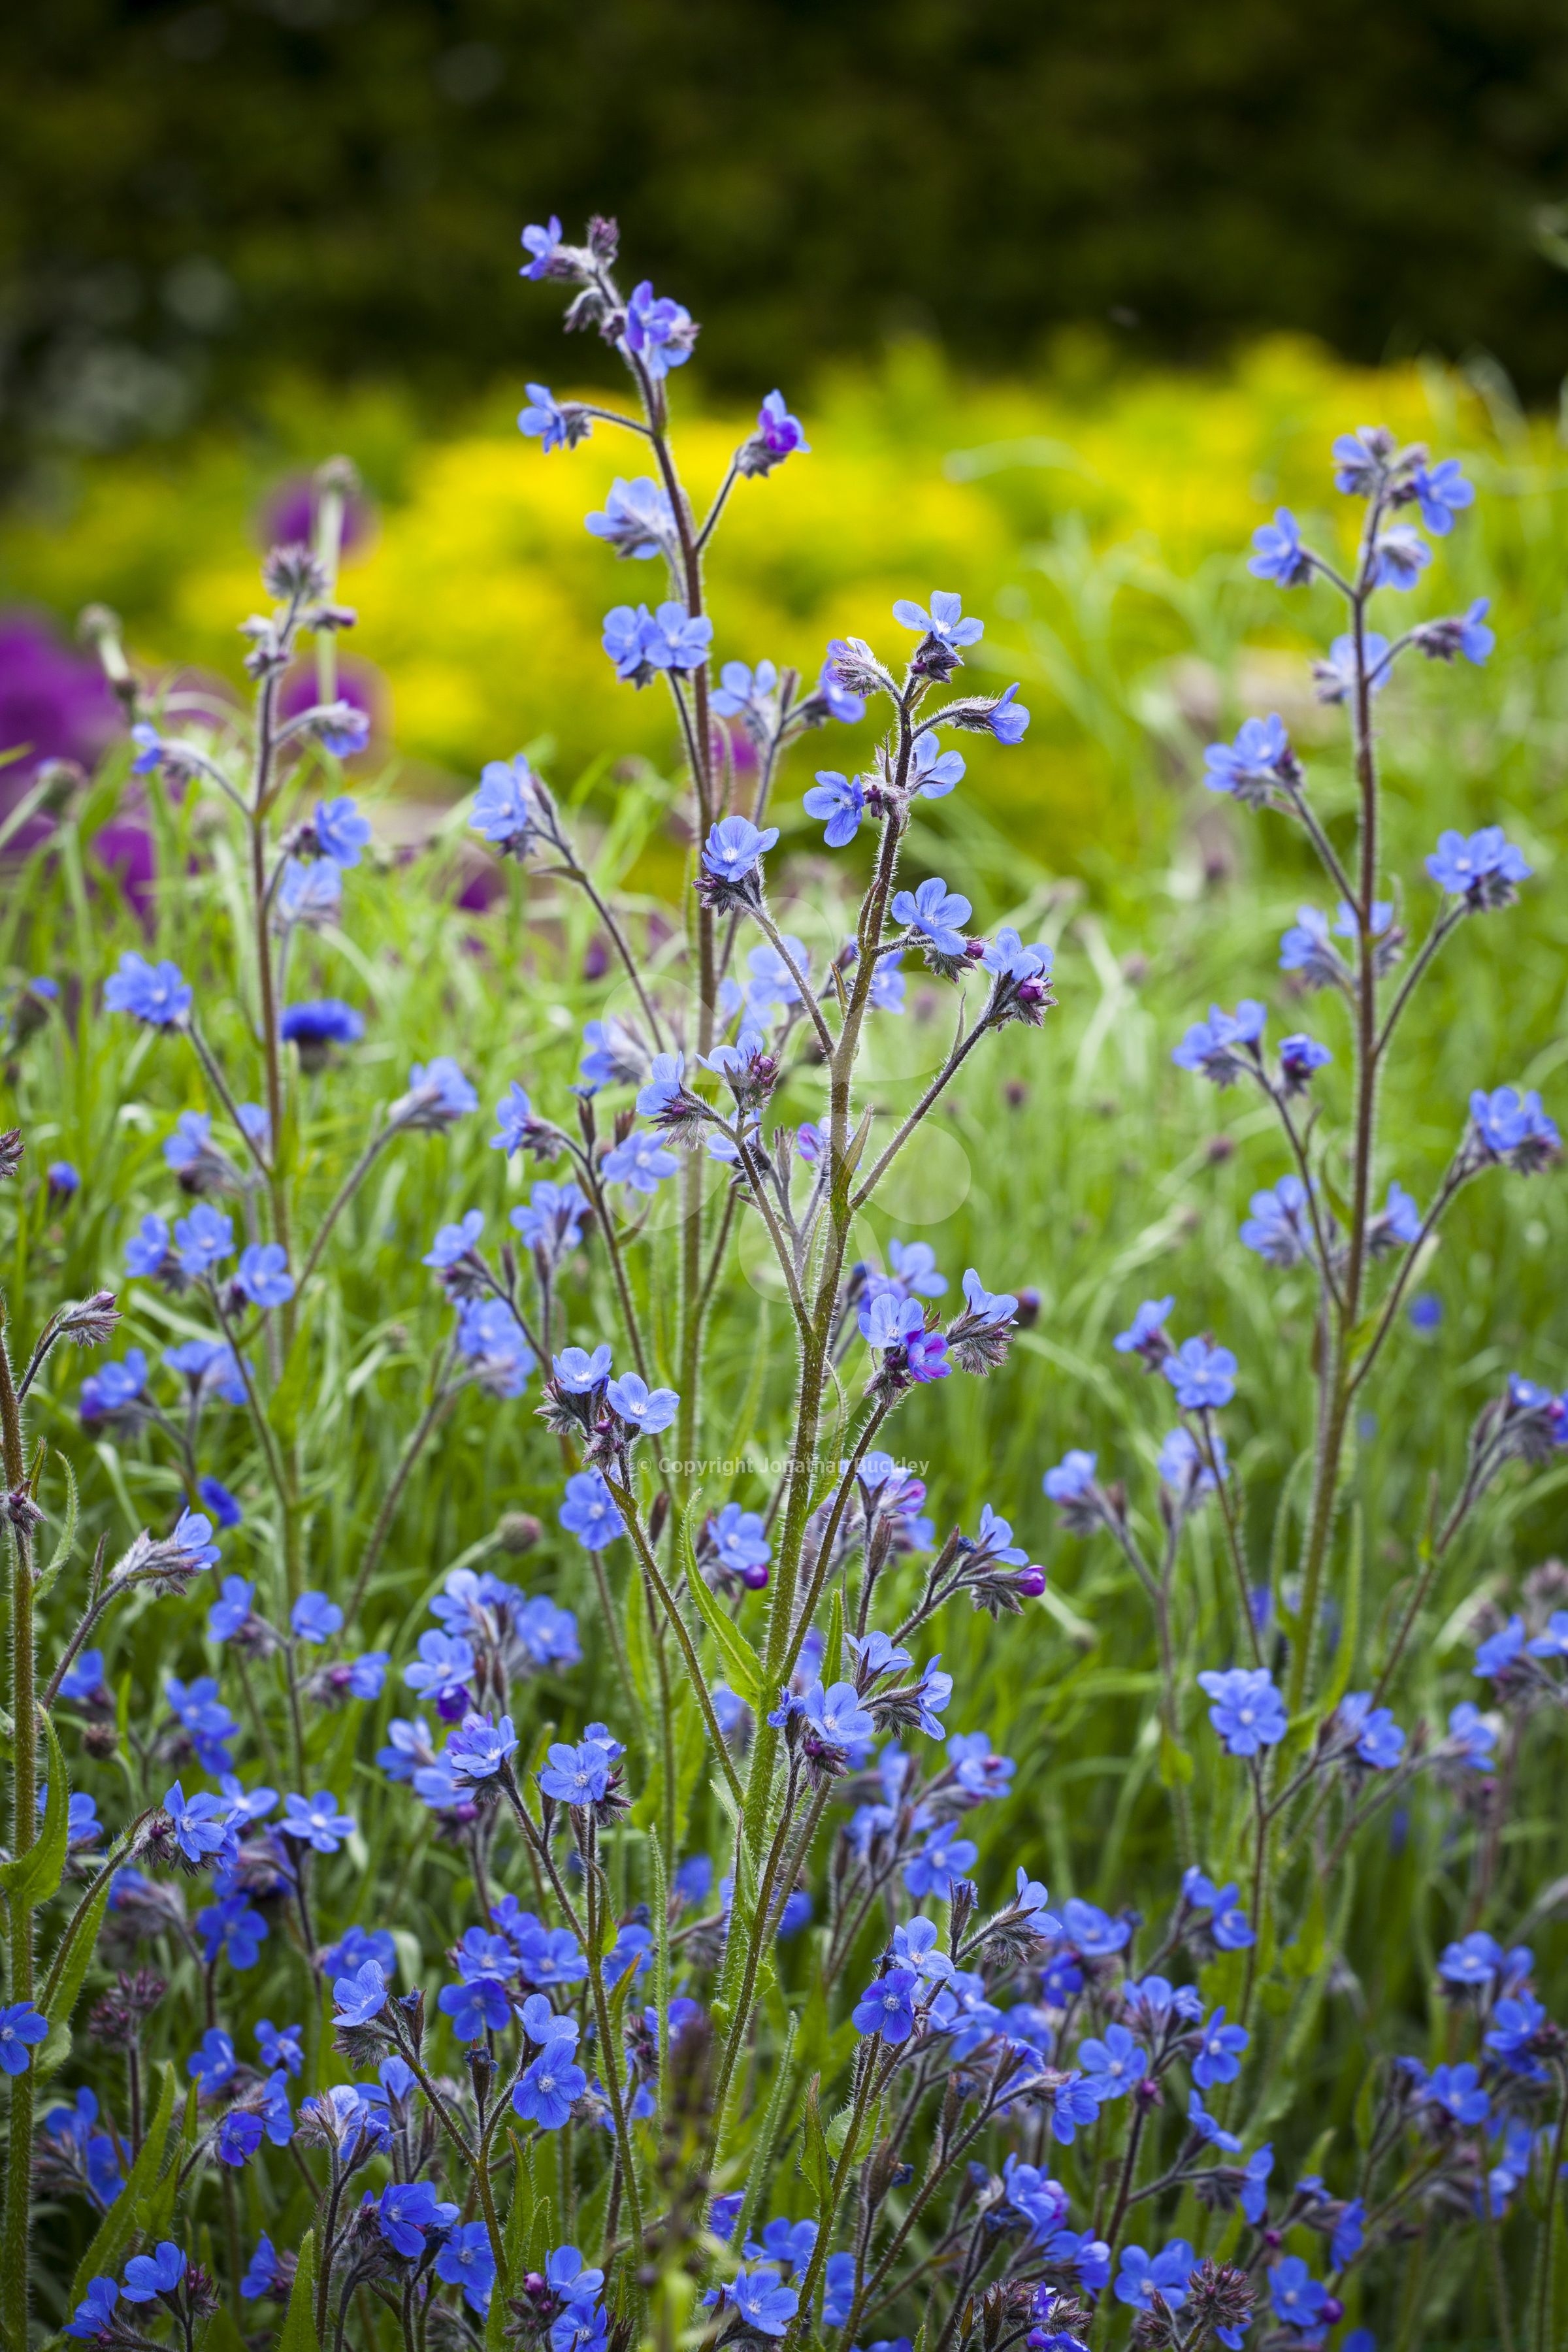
point(192, 196)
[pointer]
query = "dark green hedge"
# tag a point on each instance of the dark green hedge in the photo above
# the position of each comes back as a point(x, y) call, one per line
point(191, 194)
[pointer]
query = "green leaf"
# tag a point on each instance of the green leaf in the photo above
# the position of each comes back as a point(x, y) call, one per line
point(761, 2153)
point(299, 2333)
point(33, 1876)
point(119, 2225)
point(67, 1543)
point(833, 1649)
point(742, 1664)
point(1349, 1632)
point(817, 2169)
point(82, 1929)
point(222, 2334)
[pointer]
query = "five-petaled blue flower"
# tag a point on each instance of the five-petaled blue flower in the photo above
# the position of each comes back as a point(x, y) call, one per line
point(21, 2030)
point(576, 1776)
point(1277, 553)
point(840, 803)
point(935, 912)
point(734, 846)
point(1202, 1376)
point(316, 1822)
point(888, 2006)
point(1220, 2046)
point(589, 1512)
point(156, 993)
point(1247, 1712)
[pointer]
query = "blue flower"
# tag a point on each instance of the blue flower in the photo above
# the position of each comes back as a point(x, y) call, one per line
point(1007, 720)
point(589, 1511)
point(309, 893)
point(838, 2289)
point(641, 1162)
point(1072, 1479)
point(1259, 757)
point(148, 1248)
point(314, 1618)
point(147, 2276)
point(1361, 459)
point(360, 1995)
point(1442, 492)
point(1255, 2187)
point(637, 521)
point(1112, 2066)
point(444, 1094)
point(453, 1243)
point(839, 801)
point(1229, 1925)
point(1142, 2276)
point(1349, 2232)
point(481, 1748)
point(576, 1776)
point(281, 2046)
point(1279, 1228)
point(944, 622)
point(745, 693)
point(1482, 870)
point(1399, 557)
point(406, 2210)
point(476, 2005)
point(1297, 2296)
point(442, 1671)
point(1247, 1711)
point(1475, 639)
point(551, 1220)
point(1515, 2023)
point(1379, 1742)
point(1220, 2046)
point(547, 2090)
point(203, 1240)
point(1224, 1044)
point(83, 1683)
point(316, 1822)
point(1279, 554)
point(466, 2261)
point(21, 2029)
point(734, 846)
point(554, 424)
point(239, 2137)
point(232, 1929)
point(1553, 1641)
point(933, 771)
point(1202, 1376)
point(1146, 1333)
point(223, 1505)
point(1091, 1930)
point(265, 2280)
point(94, 2315)
point(778, 435)
point(1512, 1128)
point(62, 1178)
point(764, 2306)
point(888, 2006)
point(325, 1021)
point(1457, 2090)
point(1336, 676)
point(1474, 1962)
point(489, 1337)
point(508, 806)
point(1208, 2129)
point(934, 910)
point(836, 1715)
point(341, 832)
point(213, 2064)
point(659, 332)
point(1499, 1651)
point(543, 245)
point(640, 1407)
point(944, 1858)
point(738, 1538)
point(787, 2243)
point(200, 1825)
point(156, 993)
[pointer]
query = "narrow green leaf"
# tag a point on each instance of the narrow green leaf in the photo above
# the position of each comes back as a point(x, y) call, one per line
point(833, 1649)
point(742, 1664)
point(67, 1543)
point(118, 2224)
point(816, 2169)
point(298, 2333)
point(83, 1931)
point(761, 2153)
point(33, 1876)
